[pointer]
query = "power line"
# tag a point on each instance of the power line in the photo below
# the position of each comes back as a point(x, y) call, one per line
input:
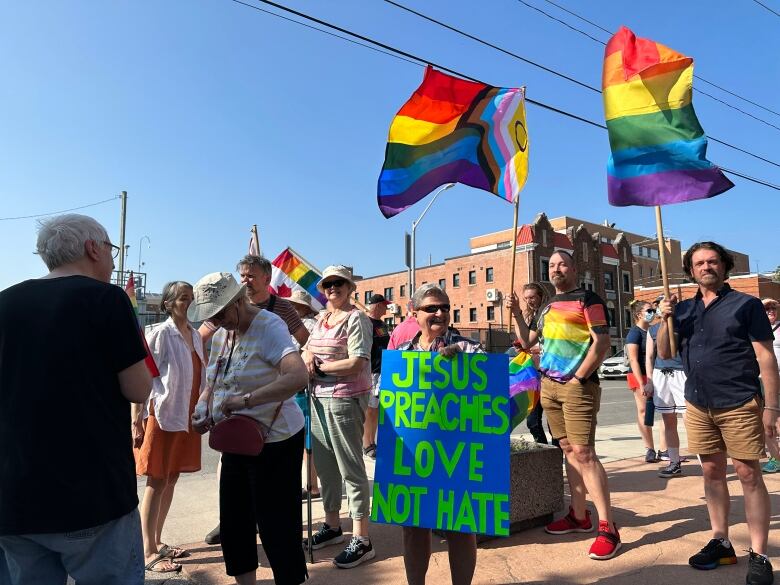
point(595, 89)
point(749, 178)
point(767, 7)
point(609, 32)
point(56, 212)
point(409, 57)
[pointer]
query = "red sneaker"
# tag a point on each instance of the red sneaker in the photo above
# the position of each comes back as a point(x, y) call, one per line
point(607, 542)
point(569, 524)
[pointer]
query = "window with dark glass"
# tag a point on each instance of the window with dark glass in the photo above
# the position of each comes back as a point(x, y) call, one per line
point(491, 313)
point(609, 281)
point(472, 277)
point(456, 316)
point(489, 274)
point(389, 293)
point(456, 280)
point(472, 315)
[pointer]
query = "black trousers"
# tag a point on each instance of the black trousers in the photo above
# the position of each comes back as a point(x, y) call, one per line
point(535, 426)
point(264, 491)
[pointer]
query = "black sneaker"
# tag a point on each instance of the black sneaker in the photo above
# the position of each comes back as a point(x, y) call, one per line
point(713, 555)
point(759, 570)
point(671, 470)
point(650, 456)
point(356, 552)
point(325, 536)
point(213, 536)
point(663, 455)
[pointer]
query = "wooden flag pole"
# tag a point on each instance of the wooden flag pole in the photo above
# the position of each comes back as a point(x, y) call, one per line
point(514, 257)
point(256, 239)
point(659, 224)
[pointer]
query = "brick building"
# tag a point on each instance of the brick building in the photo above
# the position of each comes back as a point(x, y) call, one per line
point(477, 282)
point(757, 285)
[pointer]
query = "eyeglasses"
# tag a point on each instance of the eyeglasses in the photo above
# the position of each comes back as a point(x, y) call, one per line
point(114, 249)
point(434, 308)
point(334, 283)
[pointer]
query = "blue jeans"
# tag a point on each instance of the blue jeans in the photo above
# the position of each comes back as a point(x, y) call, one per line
point(109, 554)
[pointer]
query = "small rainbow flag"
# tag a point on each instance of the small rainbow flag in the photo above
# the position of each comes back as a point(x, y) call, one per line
point(658, 146)
point(454, 131)
point(524, 386)
point(149, 360)
point(290, 271)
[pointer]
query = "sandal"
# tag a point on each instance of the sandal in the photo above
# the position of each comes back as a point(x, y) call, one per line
point(161, 558)
point(370, 451)
point(173, 552)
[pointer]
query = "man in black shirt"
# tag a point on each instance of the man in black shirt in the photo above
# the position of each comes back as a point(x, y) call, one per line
point(71, 361)
point(377, 307)
point(725, 341)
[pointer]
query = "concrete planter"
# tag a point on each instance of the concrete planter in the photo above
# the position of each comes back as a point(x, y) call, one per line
point(535, 484)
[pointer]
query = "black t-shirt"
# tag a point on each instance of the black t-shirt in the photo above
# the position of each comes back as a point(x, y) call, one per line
point(381, 339)
point(66, 460)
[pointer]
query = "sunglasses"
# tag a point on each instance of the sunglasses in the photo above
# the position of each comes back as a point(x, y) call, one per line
point(331, 283)
point(434, 308)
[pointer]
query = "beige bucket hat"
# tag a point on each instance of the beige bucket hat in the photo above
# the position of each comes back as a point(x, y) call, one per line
point(338, 271)
point(212, 293)
point(301, 297)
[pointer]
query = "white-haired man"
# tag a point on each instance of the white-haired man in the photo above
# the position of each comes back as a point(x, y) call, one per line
point(71, 361)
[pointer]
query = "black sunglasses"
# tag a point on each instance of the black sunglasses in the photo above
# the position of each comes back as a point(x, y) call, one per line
point(331, 283)
point(435, 308)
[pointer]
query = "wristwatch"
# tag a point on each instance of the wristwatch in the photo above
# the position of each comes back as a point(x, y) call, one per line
point(580, 379)
point(247, 396)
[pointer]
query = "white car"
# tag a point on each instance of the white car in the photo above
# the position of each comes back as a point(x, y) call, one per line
point(615, 367)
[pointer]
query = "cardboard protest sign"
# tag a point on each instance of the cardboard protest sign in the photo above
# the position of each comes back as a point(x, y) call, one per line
point(443, 442)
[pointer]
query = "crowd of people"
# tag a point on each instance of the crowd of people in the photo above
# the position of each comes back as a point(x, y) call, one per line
point(260, 366)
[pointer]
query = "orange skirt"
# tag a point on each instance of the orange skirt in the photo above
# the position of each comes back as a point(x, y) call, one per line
point(167, 453)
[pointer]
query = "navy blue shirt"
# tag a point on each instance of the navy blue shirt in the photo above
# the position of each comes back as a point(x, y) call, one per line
point(716, 346)
point(638, 336)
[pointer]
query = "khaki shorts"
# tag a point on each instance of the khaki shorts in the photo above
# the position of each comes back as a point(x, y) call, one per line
point(739, 431)
point(571, 410)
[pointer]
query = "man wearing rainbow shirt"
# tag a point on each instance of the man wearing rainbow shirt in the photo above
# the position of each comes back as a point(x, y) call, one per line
point(574, 335)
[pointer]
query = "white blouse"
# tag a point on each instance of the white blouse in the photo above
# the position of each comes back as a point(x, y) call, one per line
point(171, 392)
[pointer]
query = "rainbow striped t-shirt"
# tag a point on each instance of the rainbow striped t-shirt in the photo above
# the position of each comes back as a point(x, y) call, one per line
point(565, 325)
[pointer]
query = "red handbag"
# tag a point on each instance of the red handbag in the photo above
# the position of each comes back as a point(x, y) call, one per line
point(238, 434)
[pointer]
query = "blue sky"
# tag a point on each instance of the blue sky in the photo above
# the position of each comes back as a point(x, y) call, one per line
point(214, 116)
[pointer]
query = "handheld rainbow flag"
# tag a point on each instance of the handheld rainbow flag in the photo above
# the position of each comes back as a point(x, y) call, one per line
point(290, 271)
point(658, 146)
point(524, 387)
point(149, 360)
point(454, 131)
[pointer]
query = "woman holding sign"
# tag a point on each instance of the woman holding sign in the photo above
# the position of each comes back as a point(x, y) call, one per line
point(431, 307)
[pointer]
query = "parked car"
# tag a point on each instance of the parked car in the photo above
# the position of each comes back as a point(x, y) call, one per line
point(615, 367)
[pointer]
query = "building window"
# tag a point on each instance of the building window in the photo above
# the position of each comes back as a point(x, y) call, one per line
point(609, 281)
point(491, 313)
point(443, 283)
point(456, 316)
point(584, 251)
point(640, 271)
point(489, 274)
point(611, 321)
point(402, 290)
point(625, 254)
point(587, 285)
point(626, 282)
point(653, 253)
point(544, 269)
point(652, 272)
point(472, 277)
point(367, 295)
point(456, 280)
point(389, 322)
point(357, 295)
point(472, 315)
point(544, 238)
point(389, 293)
point(628, 319)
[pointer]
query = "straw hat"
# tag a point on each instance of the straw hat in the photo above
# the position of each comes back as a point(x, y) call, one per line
point(338, 271)
point(300, 297)
point(212, 293)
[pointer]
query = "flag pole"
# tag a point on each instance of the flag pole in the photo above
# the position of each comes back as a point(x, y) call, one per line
point(659, 224)
point(256, 239)
point(514, 257)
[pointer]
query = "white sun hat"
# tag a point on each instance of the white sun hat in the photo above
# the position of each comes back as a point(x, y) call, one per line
point(212, 293)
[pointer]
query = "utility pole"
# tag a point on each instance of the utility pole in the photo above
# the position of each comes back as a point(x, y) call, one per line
point(122, 222)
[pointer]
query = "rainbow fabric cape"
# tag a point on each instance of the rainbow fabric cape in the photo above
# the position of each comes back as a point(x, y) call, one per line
point(524, 384)
point(290, 271)
point(658, 147)
point(454, 131)
point(149, 360)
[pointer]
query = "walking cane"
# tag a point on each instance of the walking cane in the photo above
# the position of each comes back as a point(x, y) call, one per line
point(307, 445)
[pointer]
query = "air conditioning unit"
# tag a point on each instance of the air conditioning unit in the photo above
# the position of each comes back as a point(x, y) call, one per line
point(492, 294)
point(394, 309)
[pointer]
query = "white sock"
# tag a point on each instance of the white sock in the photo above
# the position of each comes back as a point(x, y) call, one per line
point(363, 539)
point(674, 454)
point(726, 542)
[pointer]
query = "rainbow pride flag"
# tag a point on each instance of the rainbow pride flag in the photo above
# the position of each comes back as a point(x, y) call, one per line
point(290, 271)
point(524, 387)
point(149, 360)
point(658, 146)
point(454, 131)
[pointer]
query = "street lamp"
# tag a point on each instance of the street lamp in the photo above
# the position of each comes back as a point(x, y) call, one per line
point(140, 246)
point(413, 282)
